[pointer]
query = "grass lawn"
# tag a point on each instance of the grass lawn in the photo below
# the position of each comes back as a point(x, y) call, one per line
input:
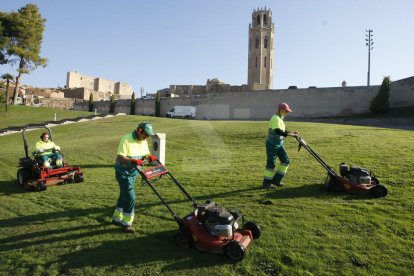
point(305, 230)
point(20, 115)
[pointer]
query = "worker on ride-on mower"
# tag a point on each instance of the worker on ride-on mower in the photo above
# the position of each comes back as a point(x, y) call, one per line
point(132, 149)
point(45, 150)
point(275, 148)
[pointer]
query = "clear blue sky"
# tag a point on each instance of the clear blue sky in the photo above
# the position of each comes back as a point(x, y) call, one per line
point(153, 44)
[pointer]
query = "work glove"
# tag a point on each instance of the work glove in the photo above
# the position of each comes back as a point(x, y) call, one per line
point(41, 150)
point(137, 162)
point(152, 158)
point(57, 148)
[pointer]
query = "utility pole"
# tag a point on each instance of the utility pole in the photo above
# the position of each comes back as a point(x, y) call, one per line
point(142, 100)
point(369, 43)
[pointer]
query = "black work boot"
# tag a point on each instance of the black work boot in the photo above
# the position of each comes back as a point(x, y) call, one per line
point(279, 184)
point(128, 229)
point(117, 223)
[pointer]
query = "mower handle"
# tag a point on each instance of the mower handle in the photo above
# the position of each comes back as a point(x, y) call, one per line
point(301, 142)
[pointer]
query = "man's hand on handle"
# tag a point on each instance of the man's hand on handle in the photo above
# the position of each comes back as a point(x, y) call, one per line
point(137, 162)
point(152, 158)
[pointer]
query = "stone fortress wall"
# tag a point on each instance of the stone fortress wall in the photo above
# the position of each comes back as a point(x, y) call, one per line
point(260, 105)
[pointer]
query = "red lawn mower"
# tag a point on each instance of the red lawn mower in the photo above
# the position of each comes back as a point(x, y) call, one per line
point(209, 227)
point(33, 176)
point(353, 179)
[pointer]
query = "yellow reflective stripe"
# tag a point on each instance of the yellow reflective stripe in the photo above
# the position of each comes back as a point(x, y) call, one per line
point(117, 216)
point(127, 219)
point(268, 174)
point(282, 169)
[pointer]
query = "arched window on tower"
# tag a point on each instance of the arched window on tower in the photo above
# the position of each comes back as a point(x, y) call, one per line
point(264, 19)
point(265, 42)
point(265, 60)
point(250, 44)
point(257, 42)
point(258, 19)
point(256, 62)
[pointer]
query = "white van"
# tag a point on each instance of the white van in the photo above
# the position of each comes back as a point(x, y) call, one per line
point(186, 112)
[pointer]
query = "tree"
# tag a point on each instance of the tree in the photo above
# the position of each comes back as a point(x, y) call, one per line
point(132, 111)
point(24, 32)
point(7, 77)
point(158, 105)
point(90, 105)
point(4, 39)
point(112, 105)
point(380, 104)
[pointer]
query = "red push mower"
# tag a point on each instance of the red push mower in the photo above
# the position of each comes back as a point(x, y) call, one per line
point(210, 227)
point(33, 176)
point(352, 180)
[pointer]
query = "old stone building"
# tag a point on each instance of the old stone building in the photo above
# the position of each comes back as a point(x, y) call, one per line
point(80, 86)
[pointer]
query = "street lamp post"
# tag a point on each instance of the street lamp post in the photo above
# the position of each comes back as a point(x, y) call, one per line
point(369, 43)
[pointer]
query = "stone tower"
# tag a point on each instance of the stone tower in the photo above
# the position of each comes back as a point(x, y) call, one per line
point(261, 53)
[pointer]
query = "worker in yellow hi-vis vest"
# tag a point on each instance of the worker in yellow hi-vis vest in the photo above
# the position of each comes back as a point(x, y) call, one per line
point(274, 148)
point(132, 149)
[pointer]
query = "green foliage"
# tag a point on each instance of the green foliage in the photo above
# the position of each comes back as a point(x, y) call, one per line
point(112, 104)
point(90, 105)
point(2, 97)
point(158, 105)
point(24, 30)
point(132, 110)
point(24, 34)
point(305, 230)
point(380, 104)
point(4, 38)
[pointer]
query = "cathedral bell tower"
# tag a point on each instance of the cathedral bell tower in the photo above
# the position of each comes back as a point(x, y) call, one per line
point(261, 54)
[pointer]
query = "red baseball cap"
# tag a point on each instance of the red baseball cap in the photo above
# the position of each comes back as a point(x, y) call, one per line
point(284, 106)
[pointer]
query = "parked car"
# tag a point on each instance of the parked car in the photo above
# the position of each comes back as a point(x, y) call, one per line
point(293, 87)
point(186, 112)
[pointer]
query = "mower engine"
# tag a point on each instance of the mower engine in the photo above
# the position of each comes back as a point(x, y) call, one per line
point(218, 221)
point(357, 175)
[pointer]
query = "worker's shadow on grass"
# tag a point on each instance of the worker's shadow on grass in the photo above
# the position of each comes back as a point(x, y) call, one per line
point(308, 190)
point(50, 237)
point(311, 190)
point(201, 199)
point(46, 217)
point(10, 188)
point(144, 250)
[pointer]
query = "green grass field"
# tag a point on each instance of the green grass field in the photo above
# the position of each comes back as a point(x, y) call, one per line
point(19, 115)
point(305, 230)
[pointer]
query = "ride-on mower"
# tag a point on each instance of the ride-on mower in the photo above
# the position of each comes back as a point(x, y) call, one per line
point(209, 227)
point(353, 180)
point(33, 176)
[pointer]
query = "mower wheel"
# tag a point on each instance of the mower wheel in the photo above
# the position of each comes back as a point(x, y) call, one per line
point(375, 180)
point(378, 191)
point(235, 251)
point(254, 228)
point(332, 185)
point(42, 186)
point(78, 177)
point(183, 239)
point(23, 175)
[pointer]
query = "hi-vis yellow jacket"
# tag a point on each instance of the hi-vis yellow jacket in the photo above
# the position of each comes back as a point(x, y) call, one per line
point(46, 146)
